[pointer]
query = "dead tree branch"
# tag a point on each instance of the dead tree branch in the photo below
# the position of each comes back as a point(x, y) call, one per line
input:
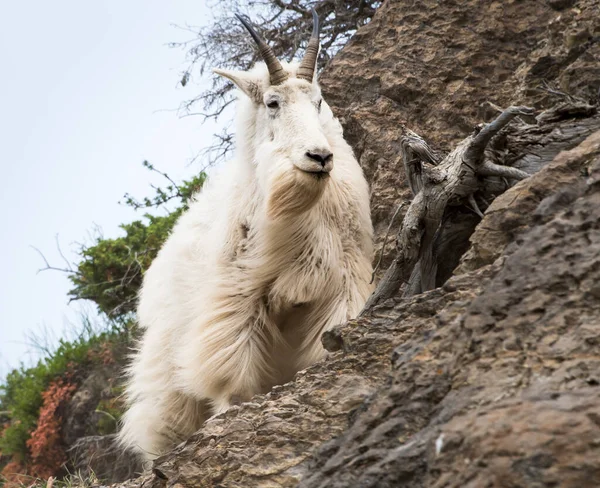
point(436, 186)
point(47, 266)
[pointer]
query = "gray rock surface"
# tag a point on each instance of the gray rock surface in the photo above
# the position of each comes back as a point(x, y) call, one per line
point(100, 456)
point(502, 383)
point(483, 382)
point(438, 68)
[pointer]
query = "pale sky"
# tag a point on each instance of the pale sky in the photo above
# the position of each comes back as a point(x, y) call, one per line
point(83, 91)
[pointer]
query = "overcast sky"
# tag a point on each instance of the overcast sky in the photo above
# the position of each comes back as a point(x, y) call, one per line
point(84, 89)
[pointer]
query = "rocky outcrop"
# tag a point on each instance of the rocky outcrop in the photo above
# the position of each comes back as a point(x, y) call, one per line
point(81, 416)
point(90, 421)
point(514, 211)
point(100, 457)
point(488, 378)
point(517, 369)
point(439, 68)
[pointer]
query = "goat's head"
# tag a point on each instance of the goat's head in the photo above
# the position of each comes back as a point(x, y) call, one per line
point(287, 120)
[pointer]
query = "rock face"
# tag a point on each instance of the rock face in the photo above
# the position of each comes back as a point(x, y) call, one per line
point(436, 66)
point(101, 457)
point(513, 212)
point(495, 391)
point(88, 427)
point(493, 379)
point(81, 418)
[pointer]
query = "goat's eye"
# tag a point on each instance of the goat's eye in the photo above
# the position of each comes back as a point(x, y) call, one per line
point(319, 105)
point(273, 104)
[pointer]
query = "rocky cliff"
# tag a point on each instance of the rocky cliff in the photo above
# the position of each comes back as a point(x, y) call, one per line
point(491, 379)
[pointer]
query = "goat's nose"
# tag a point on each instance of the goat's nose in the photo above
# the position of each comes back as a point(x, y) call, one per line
point(322, 156)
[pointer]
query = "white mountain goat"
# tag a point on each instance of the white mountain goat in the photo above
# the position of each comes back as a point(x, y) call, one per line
point(275, 250)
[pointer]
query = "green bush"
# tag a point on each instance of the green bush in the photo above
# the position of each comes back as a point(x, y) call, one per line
point(110, 272)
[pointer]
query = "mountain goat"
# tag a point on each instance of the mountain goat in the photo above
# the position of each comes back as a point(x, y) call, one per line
point(275, 250)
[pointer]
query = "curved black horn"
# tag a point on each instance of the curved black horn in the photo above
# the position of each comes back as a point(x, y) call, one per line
point(276, 71)
point(306, 70)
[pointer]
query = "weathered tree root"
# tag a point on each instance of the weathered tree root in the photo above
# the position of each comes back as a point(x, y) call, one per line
point(437, 184)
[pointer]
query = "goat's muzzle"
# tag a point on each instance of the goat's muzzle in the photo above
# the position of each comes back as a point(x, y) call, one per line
point(319, 162)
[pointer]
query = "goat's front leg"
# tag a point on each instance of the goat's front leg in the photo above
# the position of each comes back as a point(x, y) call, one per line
point(341, 308)
point(224, 354)
point(325, 318)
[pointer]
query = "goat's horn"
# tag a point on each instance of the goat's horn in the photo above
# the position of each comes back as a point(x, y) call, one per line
point(276, 71)
point(306, 70)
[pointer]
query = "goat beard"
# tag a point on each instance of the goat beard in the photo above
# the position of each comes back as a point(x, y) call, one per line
point(293, 193)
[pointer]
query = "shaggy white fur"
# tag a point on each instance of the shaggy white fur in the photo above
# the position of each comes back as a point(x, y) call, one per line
point(275, 250)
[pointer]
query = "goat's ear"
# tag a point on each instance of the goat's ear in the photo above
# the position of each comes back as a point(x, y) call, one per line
point(244, 81)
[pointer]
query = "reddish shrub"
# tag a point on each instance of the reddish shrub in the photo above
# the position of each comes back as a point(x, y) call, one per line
point(45, 444)
point(14, 475)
